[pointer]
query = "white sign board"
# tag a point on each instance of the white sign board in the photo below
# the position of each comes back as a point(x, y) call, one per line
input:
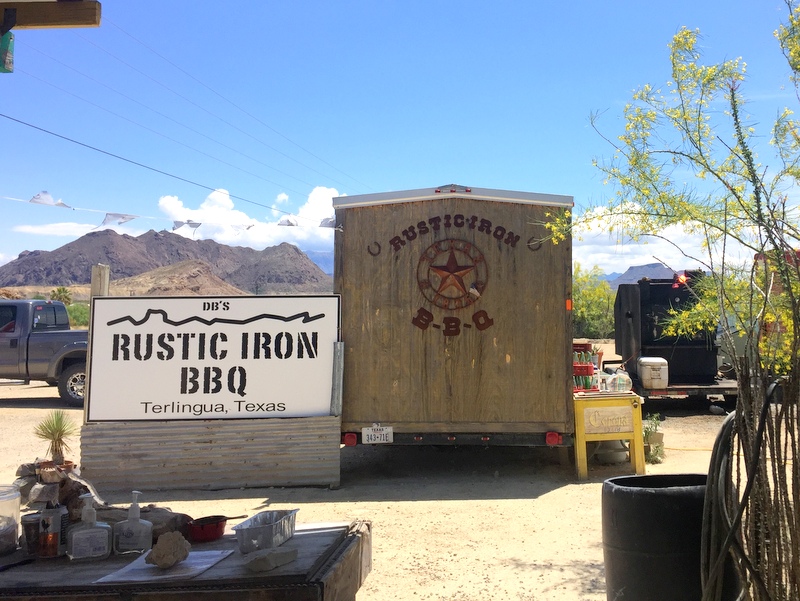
point(179, 358)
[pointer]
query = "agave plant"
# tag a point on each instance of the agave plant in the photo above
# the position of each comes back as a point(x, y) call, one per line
point(55, 429)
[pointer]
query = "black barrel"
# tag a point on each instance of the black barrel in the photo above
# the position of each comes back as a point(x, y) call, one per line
point(652, 528)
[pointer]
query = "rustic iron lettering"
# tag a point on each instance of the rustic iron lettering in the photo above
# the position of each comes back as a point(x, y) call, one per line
point(437, 222)
point(410, 233)
point(423, 319)
point(452, 326)
point(482, 320)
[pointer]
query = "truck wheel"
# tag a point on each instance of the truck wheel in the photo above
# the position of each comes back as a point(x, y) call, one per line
point(72, 384)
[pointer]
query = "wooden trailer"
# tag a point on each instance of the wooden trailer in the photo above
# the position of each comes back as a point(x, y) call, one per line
point(456, 318)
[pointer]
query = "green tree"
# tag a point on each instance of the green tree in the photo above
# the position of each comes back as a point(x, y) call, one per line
point(62, 294)
point(687, 158)
point(78, 315)
point(592, 304)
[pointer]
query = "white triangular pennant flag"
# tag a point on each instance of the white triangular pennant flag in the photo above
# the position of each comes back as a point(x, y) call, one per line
point(44, 198)
point(116, 218)
point(288, 220)
point(328, 222)
point(179, 224)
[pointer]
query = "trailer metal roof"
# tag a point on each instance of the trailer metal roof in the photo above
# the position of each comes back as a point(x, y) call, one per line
point(451, 191)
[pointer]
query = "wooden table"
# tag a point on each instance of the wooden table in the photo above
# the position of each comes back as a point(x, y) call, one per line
point(333, 561)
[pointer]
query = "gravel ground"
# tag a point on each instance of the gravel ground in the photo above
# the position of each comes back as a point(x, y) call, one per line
point(454, 524)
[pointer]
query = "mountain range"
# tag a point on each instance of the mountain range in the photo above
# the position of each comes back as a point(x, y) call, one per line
point(179, 263)
point(652, 271)
point(282, 269)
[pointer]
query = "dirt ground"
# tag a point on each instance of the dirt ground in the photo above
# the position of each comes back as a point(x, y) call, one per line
point(456, 524)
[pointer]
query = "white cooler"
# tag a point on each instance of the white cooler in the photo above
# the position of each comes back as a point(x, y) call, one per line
point(653, 372)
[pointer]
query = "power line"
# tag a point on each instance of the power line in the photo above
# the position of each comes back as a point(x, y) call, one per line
point(233, 104)
point(148, 167)
point(165, 116)
point(205, 110)
point(158, 133)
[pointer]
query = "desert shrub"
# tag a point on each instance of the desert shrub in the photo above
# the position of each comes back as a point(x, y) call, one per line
point(78, 315)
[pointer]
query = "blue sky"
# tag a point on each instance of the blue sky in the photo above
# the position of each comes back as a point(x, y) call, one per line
point(287, 104)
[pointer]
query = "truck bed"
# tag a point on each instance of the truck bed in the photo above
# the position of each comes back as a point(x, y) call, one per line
point(724, 387)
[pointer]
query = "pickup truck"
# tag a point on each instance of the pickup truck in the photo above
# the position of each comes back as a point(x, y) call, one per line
point(36, 343)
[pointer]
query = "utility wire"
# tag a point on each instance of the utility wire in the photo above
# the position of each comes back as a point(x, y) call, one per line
point(233, 104)
point(148, 167)
point(159, 113)
point(205, 110)
point(158, 133)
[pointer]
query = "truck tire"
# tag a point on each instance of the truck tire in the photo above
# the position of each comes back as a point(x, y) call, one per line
point(72, 384)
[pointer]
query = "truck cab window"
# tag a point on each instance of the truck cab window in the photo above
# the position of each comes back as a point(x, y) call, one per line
point(8, 319)
point(50, 317)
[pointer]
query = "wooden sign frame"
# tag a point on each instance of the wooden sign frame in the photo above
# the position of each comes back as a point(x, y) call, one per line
point(50, 14)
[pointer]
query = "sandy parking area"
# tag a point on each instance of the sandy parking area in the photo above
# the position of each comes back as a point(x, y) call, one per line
point(508, 524)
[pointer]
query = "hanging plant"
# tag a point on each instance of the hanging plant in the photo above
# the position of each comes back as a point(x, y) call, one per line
point(55, 429)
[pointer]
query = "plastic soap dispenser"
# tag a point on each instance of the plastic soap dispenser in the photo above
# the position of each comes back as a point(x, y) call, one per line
point(89, 539)
point(133, 535)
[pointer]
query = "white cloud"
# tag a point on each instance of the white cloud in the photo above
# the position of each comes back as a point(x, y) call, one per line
point(673, 247)
point(223, 222)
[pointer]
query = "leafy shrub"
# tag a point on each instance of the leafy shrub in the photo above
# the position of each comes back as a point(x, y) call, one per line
point(78, 315)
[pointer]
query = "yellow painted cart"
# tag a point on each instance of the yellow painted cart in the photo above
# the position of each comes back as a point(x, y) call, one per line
point(608, 416)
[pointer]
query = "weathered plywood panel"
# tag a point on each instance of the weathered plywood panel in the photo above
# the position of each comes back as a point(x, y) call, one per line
point(211, 455)
point(420, 351)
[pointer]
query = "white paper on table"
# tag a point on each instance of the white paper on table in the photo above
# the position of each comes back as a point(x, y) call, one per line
point(139, 571)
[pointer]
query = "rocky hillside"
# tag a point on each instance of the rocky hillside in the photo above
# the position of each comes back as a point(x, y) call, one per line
point(282, 269)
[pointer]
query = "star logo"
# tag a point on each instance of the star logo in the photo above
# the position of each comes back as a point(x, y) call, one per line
point(452, 274)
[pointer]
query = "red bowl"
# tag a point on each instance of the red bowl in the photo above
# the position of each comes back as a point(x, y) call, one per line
point(208, 528)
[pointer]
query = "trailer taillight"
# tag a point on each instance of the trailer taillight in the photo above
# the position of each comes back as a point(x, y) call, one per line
point(349, 439)
point(553, 439)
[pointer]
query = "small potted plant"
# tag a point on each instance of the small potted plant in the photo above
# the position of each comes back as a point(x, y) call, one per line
point(56, 428)
point(653, 439)
point(597, 357)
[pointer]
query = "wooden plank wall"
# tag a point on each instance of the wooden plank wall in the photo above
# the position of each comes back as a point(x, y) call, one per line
point(211, 454)
point(510, 375)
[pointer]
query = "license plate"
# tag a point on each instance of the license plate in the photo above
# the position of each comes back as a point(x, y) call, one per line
point(377, 435)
